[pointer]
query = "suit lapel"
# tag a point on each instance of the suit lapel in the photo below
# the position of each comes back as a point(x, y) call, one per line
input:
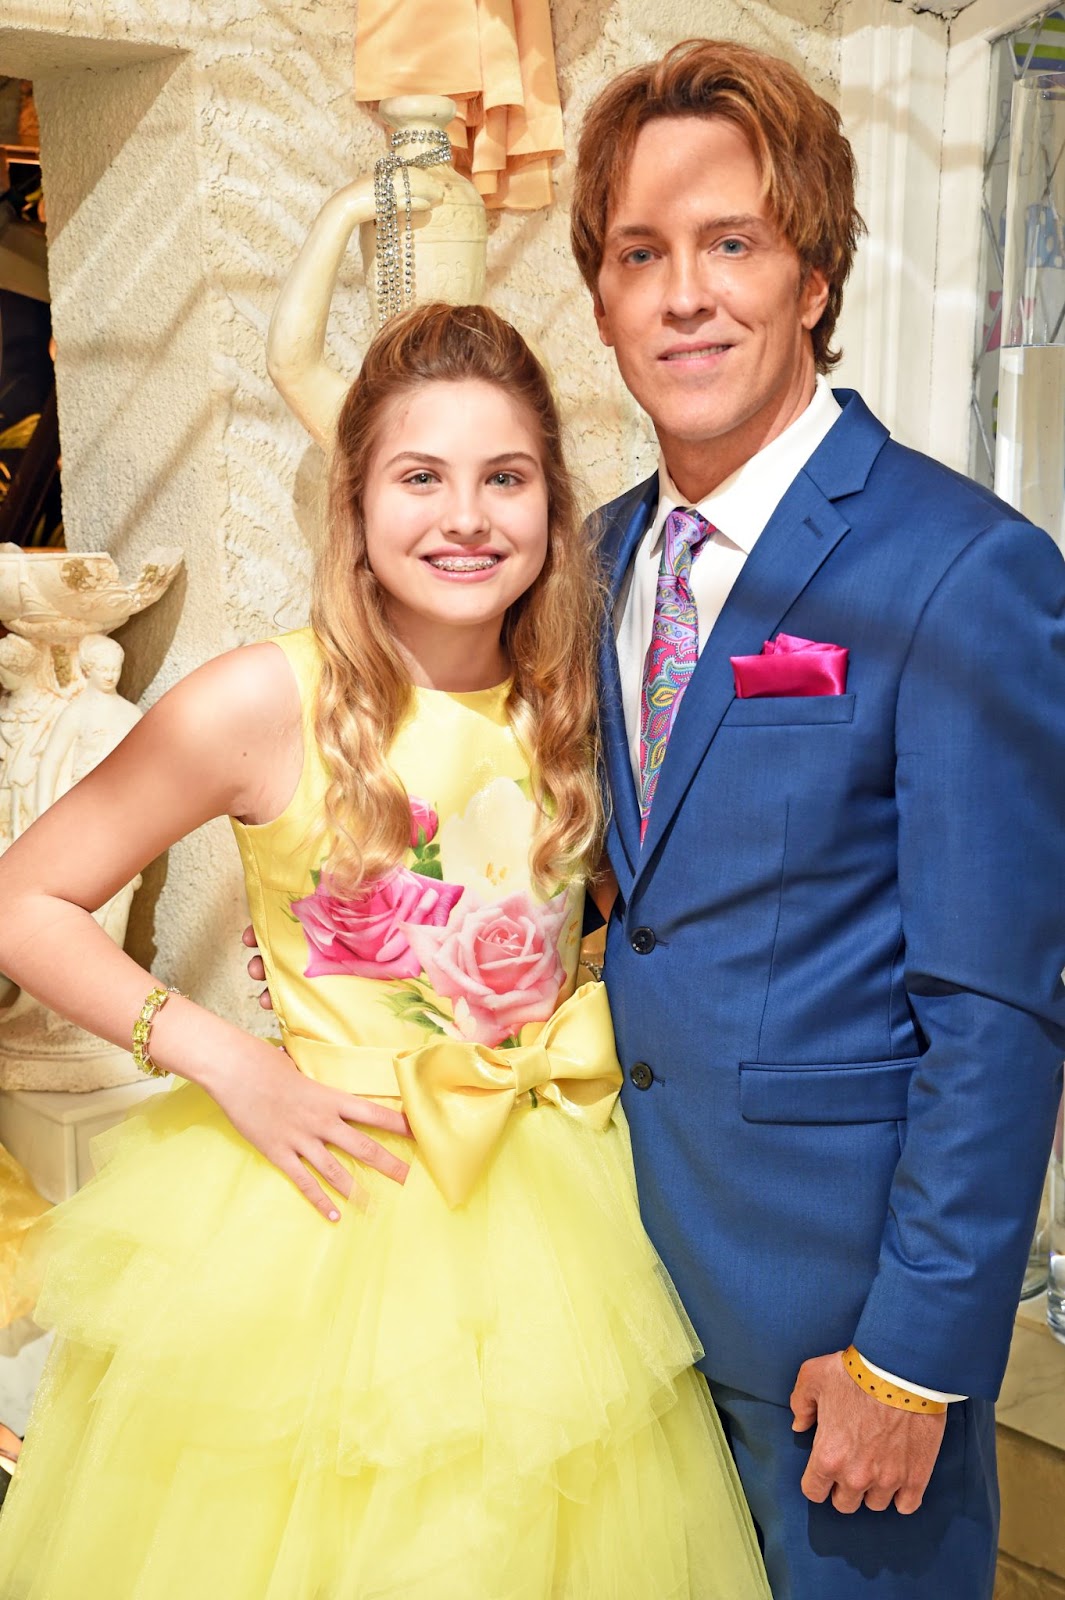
point(802, 533)
point(625, 523)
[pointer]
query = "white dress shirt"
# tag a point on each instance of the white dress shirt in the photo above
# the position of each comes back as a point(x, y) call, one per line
point(738, 510)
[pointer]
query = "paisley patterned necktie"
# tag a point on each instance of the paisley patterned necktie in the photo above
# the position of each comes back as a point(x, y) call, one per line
point(674, 648)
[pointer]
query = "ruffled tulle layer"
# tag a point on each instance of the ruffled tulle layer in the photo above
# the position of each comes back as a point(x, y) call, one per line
point(494, 1403)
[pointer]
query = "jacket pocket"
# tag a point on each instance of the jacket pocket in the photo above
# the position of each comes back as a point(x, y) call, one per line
point(789, 710)
point(852, 1091)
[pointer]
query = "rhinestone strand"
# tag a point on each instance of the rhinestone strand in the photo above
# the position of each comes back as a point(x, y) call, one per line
point(395, 250)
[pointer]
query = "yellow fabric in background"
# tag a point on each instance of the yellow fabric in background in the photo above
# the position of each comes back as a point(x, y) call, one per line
point(496, 60)
point(20, 1206)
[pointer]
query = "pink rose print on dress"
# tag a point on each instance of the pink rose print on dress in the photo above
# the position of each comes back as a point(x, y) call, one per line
point(498, 964)
point(365, 936)
point(423, 820)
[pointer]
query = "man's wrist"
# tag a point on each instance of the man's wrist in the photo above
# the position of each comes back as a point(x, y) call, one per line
point(887, 1390)
point(913, 1388)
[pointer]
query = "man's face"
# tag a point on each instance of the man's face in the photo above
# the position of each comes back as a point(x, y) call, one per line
point(702, 300)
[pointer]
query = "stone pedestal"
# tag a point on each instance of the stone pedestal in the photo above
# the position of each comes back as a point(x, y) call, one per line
point(41, 1054)
point(50, 1133)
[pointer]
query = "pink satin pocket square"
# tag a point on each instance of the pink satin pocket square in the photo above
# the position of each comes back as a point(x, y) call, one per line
point(791, 666)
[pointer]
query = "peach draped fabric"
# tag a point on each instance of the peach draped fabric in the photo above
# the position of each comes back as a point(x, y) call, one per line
point(495, 59)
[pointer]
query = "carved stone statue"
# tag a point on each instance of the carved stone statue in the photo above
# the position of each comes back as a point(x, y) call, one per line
point(60, 715)
point(92, 724)
point(26, 713)
point(450, 231)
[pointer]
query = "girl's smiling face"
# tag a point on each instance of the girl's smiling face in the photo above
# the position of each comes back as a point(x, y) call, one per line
point(456, 512)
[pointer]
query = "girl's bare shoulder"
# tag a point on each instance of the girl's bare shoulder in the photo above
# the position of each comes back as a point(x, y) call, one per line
point(246, 693)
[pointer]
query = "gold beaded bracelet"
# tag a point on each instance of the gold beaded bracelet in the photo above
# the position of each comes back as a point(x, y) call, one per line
point(142, 1031)
point(888, 1393)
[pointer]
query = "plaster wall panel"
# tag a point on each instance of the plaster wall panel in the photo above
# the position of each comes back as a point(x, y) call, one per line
point(187, 147)
point(139, 425)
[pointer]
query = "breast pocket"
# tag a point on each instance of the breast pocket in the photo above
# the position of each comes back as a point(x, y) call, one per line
point(789, 711)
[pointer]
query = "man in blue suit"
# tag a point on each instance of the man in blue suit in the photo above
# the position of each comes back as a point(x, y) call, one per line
point(834, 957)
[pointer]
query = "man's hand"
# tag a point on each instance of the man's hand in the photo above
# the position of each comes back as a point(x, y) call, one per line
point(864, 1452)
point(256, 970)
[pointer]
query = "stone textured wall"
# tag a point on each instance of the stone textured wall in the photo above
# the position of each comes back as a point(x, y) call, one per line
point(187, 145)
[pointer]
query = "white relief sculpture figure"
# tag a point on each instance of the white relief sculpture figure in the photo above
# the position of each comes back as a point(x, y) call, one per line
point(21, 735)
point(53, 738)
point(87, 730)
point(449, 230)
point(91, 726)
point(29, 706)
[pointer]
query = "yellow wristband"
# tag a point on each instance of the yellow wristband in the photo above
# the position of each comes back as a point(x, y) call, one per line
point(889, 1394)
point(142, 1031)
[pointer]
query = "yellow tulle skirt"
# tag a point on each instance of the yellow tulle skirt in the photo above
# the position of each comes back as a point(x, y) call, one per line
point(248, 1403)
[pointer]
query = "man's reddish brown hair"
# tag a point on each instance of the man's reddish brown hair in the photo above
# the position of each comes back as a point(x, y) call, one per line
point(807, 165)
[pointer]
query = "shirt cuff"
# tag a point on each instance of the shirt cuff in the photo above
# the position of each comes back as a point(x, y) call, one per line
point(911, 1388)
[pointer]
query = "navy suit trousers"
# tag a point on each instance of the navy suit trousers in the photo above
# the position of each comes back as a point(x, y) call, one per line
point(943, 1551)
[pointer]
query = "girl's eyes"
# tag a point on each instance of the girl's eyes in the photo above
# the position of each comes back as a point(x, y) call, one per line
point(499, 480)
point(732, 247)
point(638, 257)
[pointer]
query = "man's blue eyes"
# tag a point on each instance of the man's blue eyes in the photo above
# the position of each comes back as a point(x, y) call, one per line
point(730, 247)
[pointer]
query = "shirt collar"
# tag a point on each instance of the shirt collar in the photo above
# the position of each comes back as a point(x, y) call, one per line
point(740, 507)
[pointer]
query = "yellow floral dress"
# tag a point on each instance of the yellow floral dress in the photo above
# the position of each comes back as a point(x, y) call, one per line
point(475, 1386)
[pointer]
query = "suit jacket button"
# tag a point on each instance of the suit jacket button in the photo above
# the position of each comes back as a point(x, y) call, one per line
point(643, 941)
point(641, 1075)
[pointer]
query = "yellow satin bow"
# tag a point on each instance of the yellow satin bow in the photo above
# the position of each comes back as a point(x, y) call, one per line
point(458, 1096)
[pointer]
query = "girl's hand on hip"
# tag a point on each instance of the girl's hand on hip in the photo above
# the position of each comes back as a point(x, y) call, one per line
point(299, 1124)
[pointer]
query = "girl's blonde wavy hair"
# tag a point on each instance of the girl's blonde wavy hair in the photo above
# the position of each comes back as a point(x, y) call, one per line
point(549, 633)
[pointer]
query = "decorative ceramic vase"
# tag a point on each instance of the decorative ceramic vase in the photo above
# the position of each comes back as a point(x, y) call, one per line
point(450, 241)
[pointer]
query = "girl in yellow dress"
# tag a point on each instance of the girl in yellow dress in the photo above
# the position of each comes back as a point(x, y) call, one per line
point(459, 1372)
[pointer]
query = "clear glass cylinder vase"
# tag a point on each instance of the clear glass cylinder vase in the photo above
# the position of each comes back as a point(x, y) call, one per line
point(1056, 1231)
point(1030, 450)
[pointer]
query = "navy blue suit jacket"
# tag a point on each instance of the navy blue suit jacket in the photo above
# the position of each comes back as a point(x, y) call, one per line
point(835, 963)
